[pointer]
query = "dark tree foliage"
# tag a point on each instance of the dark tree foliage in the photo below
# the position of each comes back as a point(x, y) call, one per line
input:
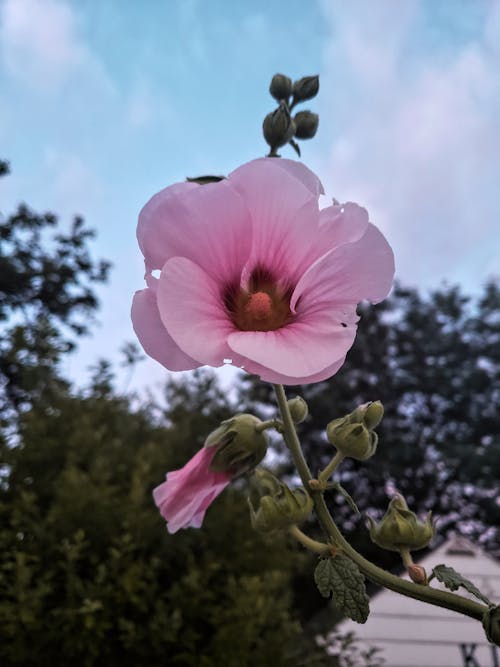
point(434, 363)
point(90, 576)
point(46, 300)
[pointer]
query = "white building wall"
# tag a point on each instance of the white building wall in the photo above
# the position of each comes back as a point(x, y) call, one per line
point(414, 634)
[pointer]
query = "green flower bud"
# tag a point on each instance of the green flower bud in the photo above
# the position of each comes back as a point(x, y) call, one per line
point(307, 124)
point(370, 414)
point(278, 506)
point(305, 88)
point(278, 127)
point(240, 446)
point(400, 528)
point(353, 434)
point(352, 440)
point(281, 87)
point(298, 409)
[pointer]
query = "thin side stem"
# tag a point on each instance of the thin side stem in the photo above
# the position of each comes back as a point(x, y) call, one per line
point(376, 574)
point(313, 545)
point(325, 474)
point(269, 423)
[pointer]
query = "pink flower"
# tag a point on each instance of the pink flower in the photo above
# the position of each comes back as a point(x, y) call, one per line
point(253, 272)
point(184, 498)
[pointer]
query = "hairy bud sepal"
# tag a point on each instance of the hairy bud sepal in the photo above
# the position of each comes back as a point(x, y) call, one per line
point(400, 529)
point(240, 445)
point(352, 440)
point(278, 507)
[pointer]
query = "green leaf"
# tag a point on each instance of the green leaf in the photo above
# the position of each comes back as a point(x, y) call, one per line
point(203, 180)
point(340, 577)
point(453, 580)
point(349, 499)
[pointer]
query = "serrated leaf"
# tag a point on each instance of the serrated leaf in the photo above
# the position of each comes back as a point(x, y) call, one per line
point(349, 499)
point(295, 146)
point(454, 580)
point(340, 577)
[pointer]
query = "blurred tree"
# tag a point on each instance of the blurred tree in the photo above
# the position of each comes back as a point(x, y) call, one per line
point(434, 363)
point(46, 299)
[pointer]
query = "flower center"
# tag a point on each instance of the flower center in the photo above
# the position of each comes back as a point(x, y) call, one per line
point(259, 306)
point(262, 306)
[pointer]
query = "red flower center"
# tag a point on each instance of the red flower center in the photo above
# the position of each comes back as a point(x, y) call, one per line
point(259, 306)
point(262, 307)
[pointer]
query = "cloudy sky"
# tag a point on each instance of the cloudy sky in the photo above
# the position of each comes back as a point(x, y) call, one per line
point(102, 103)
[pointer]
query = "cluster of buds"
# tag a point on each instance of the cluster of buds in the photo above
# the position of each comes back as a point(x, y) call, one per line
point(279, 127)
point(278, 507)
point(354, 435)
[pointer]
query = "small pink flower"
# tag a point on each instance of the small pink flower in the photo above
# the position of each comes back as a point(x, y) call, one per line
point(184, 498)
point(252, 271)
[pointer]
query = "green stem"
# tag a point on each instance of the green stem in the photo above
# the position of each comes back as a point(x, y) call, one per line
point(376, 574)
point(313, 545)
point(324, 475)
point(406, 557)
point(269, 423)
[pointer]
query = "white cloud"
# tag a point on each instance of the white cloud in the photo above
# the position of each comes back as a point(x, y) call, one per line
point(41, 45)
point(417, 136)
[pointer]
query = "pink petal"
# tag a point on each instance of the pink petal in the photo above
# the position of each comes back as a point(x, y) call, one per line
point(284, 214)
point(192, 311)
point(268, 375)
point(153, 336)
point(194, 508)
point(339, 224)
point(208, 224)
point(300, 349)
point(299, 171)
point(184, 498)
point(348, 274)
point(153, 223)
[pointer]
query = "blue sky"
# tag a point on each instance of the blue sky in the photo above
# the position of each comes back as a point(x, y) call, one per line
point(105, 102)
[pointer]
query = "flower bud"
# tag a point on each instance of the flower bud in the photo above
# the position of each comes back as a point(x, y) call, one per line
point(353, 434)
point(305, 88)
point(240, 446)
point(352, 440)
point(278, 506)
point(306, 124)
point(280, 87)
point(278, 127)
point(369, 413)
point(298, 409)
point(400, 528)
